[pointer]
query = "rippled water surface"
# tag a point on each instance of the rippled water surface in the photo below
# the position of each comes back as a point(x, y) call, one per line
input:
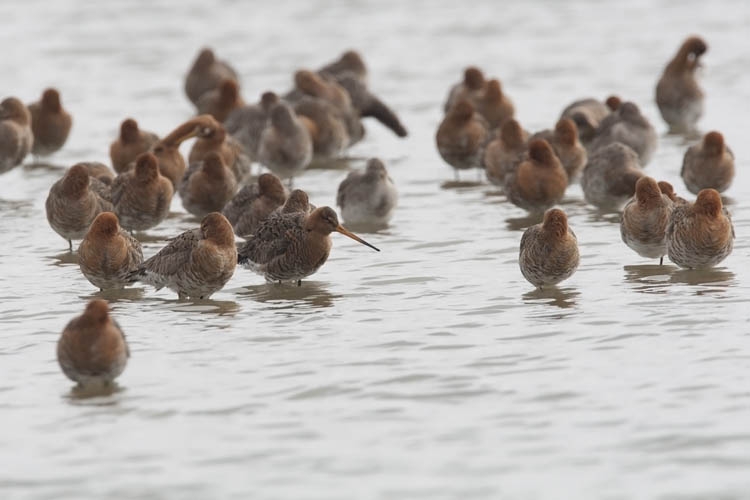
point(429, 370)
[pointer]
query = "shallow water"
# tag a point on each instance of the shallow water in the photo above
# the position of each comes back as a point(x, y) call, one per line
point(429, 370)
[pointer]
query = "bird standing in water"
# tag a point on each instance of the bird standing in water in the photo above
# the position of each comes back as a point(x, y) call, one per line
point(293, 246)
point(50, 123)
point(195, 264)
point(92, 349)
point(549, 251)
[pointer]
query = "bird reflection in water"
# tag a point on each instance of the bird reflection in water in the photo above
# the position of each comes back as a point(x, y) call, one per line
point(77, 394)
point(521, 223)
point(652, 278)
point(289, 296)
point(649, 278)
point(564, 298)
point(114, 295)
point(458, 184)
point(719, 278)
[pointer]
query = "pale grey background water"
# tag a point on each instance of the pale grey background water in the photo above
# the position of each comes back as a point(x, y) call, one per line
point(429, 370)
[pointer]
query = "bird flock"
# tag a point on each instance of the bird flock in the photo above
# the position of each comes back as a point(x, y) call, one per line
point(604, 145)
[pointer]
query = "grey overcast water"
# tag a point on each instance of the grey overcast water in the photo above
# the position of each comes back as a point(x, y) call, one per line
point(430, 370)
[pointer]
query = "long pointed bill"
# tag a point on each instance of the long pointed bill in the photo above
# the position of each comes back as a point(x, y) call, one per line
point(341, 229)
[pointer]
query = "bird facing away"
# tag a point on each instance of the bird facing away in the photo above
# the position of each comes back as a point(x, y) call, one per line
point(549, 250)
point(74, 201)
point(503, 154)
point(16, 137)
point(195, 264)
point(142, 196)
point(132, 142)
point(294, 246)
point(246, 124)
point(99, 171)
point(206, 74)
point(50, 123)
point(470, 88)
point(286, 147)
point(92, 350)
point(326, 126)
point(254, 203)
point(368, 196)
point(587, 114)
point(494, 105)
point(213, 137)
point(108, 254)
point(567, 147)
point(700, 235)
point(678, 95)
point(628, 126)
point(208, 185)
point(461, 137)
point(709, 164)
point(643, 227)
point(609, 178)
point(539, 182)
point(221, 101)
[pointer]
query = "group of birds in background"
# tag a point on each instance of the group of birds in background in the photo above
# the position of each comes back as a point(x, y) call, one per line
point(602, 145)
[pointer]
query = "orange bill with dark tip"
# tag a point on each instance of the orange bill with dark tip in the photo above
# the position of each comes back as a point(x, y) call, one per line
point(341, 229)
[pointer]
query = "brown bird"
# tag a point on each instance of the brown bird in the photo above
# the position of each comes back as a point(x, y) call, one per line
point(325, 125)
point(667, 189)
point(195, 264)
point(108, 254)
point(494, 105)
point(254, 203)
point(610, 175)
point(678, 95)
point(310, 85)
point(208, 185)
point(461, 137)
point(285, 146)
point(505, 152)
point(368, 196)
point(313, 85)
point(567, 147)
point(142, 196)
point(167, 150)
point(293, 246)
point(298, 202)
point(92, 350)
point(549, 251)
point(643, 227)
point(709, 164)
point(700, 235)
point(206, 74)
point(221, 101)
point(213, 137)
point(50, 123)
point(539, 181)
point(588, 113)
point(132, 142)
point(469, 89)
point(628, 126)
point(74, 201)
point(246, 124)
point(16, 137)
point(99, 171)
point(350, 62)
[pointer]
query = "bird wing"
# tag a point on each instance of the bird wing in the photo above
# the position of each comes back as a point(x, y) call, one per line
point(169, 260)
